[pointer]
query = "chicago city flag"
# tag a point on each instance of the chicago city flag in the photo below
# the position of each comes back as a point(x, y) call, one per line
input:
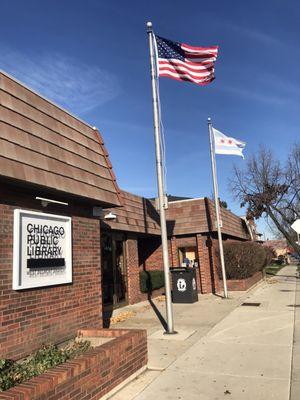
point(227, 145)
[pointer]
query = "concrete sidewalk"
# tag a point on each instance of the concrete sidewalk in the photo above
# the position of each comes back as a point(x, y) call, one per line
point(295, 376)
point(246, 355)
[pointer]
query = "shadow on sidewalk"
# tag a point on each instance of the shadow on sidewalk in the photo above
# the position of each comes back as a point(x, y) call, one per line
point(221, 296)
point(157, 312)
point(107, 313)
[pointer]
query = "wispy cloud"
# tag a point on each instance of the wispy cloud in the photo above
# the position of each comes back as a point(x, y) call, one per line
point(257, 35)
point(267, 88)
point(265, 98)
point(285, 85)
point(77, 86)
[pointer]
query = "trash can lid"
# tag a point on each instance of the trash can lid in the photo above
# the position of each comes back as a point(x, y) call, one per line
point(178, 269)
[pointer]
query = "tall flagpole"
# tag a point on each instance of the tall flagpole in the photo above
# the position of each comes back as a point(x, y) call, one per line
point(160, 182)
point(217, 206)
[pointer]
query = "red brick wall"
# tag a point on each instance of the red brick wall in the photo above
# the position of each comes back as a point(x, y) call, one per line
point(243, 284)
point(216, 263)
point(150, 253)
point(147, 252)
point(204, 275)
point(29, 318)
point(155, 260)
point(208, 279)
point(174, 252)
point(91, 375)
point(142, 254)
point(149, 258)
point(186, 241)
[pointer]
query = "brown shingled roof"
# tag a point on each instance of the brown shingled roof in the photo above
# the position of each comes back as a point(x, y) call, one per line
point(198, 216)
point(137, 215)
point(184, 217)
point(42, 144)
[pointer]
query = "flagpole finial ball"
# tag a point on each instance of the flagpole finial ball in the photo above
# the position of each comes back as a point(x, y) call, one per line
point(149, 24)
point(208, 119)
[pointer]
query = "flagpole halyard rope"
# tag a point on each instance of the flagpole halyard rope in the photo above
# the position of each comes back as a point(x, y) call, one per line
point(162, 131)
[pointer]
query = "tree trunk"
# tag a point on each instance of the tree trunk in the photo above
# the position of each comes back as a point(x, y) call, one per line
point(288, 237)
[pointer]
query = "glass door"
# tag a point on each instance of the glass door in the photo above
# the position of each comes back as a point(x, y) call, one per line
point(120, 272)
point(114, 276)
point(107, 269)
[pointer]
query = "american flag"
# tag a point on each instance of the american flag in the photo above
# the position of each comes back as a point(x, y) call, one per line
point(185, 63)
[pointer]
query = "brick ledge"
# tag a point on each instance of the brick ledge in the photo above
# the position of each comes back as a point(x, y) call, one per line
point(91, 375)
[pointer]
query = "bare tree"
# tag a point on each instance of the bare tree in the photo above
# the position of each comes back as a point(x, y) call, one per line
point(269, 189)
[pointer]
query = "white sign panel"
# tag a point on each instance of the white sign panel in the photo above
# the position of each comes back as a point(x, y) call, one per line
point(296, 225)
point(42, 250)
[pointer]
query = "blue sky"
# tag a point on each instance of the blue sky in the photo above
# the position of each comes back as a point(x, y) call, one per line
point(92, 58)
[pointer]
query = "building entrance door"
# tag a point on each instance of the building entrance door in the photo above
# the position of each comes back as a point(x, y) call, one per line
point(114, 277)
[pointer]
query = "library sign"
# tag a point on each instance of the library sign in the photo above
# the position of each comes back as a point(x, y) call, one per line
point(42, 250)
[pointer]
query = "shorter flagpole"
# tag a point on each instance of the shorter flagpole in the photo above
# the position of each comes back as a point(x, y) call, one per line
point(217, 206)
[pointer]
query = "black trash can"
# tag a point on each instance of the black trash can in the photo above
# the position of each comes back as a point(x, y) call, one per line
point(184, 285)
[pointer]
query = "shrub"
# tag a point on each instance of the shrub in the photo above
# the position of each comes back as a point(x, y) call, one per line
point(13, 373)
point(151, 280)
point(243, 259)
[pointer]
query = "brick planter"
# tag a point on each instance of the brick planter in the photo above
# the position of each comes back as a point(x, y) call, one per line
point(91, 375)
point(243, 284)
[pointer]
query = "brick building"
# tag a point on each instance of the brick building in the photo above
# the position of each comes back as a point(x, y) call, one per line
point(192, 234)
point(46, 152)
point(53, 165)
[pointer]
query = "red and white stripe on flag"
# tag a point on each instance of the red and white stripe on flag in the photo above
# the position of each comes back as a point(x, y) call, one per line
point(184, 62)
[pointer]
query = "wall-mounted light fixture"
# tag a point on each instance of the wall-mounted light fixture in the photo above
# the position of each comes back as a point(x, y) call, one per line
point(45, 201)
point(103, 214)
point(110, 216)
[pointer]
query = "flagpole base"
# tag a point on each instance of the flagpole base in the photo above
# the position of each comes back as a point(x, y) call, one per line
point(171, 333)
